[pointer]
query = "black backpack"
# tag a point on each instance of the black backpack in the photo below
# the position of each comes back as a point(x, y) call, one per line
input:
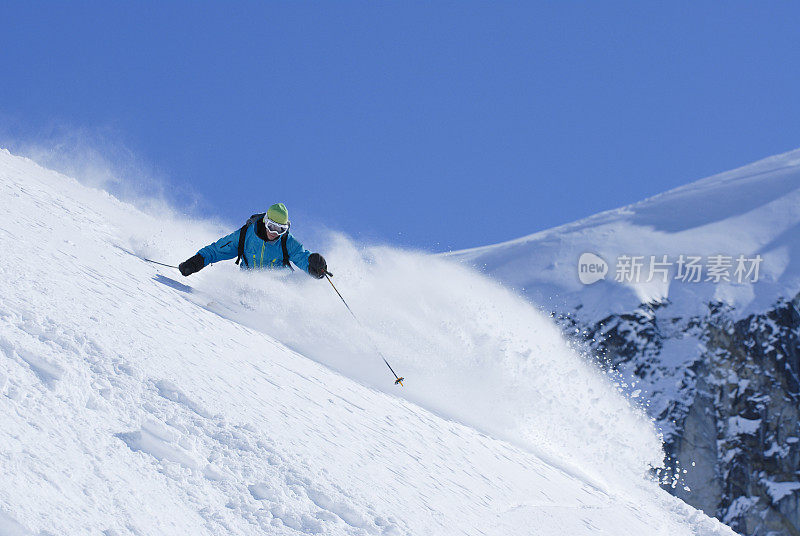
point(243, 231)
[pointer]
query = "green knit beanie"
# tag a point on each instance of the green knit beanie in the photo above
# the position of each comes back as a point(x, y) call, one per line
point(278, 213)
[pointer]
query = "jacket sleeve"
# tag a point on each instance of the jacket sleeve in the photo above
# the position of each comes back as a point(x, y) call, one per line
point(223, 249)
point(297, 253)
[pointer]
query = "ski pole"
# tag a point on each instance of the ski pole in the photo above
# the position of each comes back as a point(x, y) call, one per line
point(162, 264)
point(398, 380)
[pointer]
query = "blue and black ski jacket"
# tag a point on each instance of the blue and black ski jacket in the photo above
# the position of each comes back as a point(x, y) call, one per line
point(258, 252)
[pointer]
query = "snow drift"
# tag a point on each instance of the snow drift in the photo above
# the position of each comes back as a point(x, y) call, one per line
point(136, 401)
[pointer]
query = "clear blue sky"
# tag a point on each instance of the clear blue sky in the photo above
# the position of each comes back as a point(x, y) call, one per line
point(435, 125)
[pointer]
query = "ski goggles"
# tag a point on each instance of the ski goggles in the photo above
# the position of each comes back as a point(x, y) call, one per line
point(275, 227)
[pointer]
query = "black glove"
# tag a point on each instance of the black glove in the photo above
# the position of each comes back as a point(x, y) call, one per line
point(190, 266)
point(317, 266)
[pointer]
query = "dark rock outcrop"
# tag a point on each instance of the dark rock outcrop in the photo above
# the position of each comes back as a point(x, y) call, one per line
point(726, 395)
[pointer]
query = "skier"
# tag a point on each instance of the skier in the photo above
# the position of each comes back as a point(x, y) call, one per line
point(263, 242)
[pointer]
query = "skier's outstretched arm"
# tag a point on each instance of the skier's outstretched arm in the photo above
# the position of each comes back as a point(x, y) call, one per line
point(311, 263)
point(223, 249)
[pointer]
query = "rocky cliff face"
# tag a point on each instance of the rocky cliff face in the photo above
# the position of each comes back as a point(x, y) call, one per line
point(726, 394)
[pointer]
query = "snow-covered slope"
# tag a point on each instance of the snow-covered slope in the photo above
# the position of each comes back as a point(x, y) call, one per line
point(131, 403)
point(749, 211)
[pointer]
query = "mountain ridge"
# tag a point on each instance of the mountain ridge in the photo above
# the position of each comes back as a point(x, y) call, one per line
point(747, 211)
point(784, 161)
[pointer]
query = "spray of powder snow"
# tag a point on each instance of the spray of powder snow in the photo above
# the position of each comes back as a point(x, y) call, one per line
point(470, 350)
